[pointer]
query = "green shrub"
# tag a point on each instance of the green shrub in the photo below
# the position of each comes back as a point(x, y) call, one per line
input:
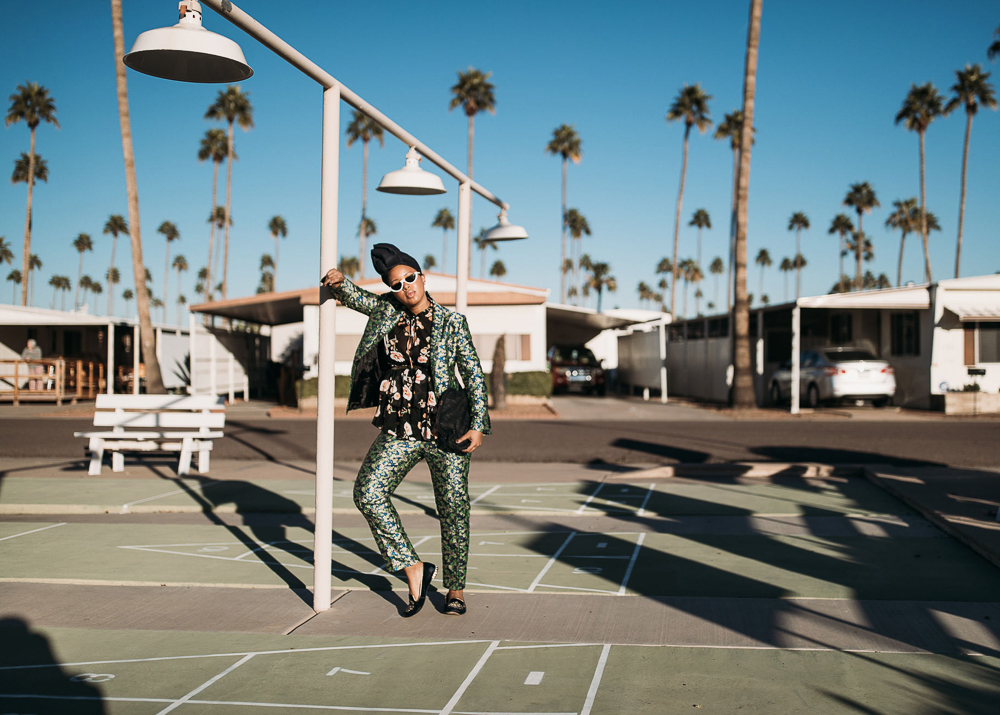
point(310, 387)
point(536, 384)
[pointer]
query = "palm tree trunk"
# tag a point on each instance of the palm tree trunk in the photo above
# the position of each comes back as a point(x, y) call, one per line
point(899, 269)
point(798, 265)
point(79, 272)
point(27, 222)
point(229, 196)
point(841, 254)
point(923, 213)
point(562, 222)
point(961, 203)
point(743, 392)
point(730, 267)
point(53, 297)
point(699, 247)
point(677, 223)
point(178, 298)
point(211, 235)
point(444, 251)
point(111, 287)
point(859, 248)
point(685, 314)
point(363, 230)
point(761, 279)
point(154, 382)
point(166, 277)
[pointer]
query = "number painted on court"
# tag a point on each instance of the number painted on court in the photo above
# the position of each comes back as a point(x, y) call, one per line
point(92, 677)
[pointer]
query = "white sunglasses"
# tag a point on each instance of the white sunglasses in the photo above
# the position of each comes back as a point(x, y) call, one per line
point(408, 279)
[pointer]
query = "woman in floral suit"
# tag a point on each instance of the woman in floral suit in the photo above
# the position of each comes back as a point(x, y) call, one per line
point(405, 361)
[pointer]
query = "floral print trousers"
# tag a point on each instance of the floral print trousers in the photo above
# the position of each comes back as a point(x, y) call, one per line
point(388, 461)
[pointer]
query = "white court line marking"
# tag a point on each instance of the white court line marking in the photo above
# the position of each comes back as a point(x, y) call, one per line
point(588, 704)
point(578, 588)
point(34, 531)
point(602, 545)
point(535, 508)
point(177, 703)
point(338, 669)
point(589, 499)
point(450, 706)
point(192, 488)
point(642, 507)
point(241, 653)
point(484, 494)
point(546, 645)
point(550, 562)
point(100, 698)
point(534, 677)
point(631, 564)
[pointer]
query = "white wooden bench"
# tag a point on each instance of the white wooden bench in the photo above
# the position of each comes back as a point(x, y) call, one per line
point(155, 423)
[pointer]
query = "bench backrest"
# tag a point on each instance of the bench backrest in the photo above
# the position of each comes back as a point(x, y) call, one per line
point(200, 412)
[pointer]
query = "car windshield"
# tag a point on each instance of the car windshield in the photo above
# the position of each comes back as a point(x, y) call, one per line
point(849, 354)
point(578, 355)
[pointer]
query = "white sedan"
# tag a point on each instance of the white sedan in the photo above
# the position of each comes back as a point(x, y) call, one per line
point(842, 373)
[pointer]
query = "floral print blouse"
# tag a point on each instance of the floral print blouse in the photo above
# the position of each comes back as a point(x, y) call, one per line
point(407, 406)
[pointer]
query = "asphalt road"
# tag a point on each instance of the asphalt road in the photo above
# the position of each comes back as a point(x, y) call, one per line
point(934, 442)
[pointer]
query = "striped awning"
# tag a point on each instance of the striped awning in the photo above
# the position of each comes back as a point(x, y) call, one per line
point(969, 312)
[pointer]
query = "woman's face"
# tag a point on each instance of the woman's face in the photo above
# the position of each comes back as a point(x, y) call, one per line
point(412, 293)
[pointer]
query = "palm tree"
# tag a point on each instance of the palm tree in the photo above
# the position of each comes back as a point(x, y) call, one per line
point(31, 104)
point(201, 286)
point(686, 271)
point(701, 219)
point(970, 90)
point(218, 218)
point(157, 304)
point(717, 268)
point(85, 283)
point(115, 225)
point(902, 218)
point(843, 226)
point(180, 264)
point(266, 274)
point(113, 277)
point(498, 270)
point(921, 106)
point(663, 267)
point(796, 223)
point(34, 264)
point(278, 229)
point(994, 49)
point(96, 289)
point(154, 381)
point(363, 128)
point(22, 168)
point(883, 282)
point(763, 260)
point(576, 224)
point(731, 128)
point(14, 277)
point(862, 197)
point(348, 266)
point(170, 233)
point(786, 266)
point(127, 296)
point(6, 255)
point(691, 106)
point(696, 276)
point(446, 222)
point(65, 286)
point(81, 243)
point(181, 302)
point(482, 245)
point(800, 262)
point(233, 106)
point(601, 280)
point(474, 94)
point(644, 291)
point(765, 299)
point(215, 146)
point(566, 143)
point(55, 283)
point(430, 262)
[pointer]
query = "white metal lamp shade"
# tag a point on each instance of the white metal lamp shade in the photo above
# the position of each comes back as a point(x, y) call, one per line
point(505, 230)
point(411, 179)
point(187, 52)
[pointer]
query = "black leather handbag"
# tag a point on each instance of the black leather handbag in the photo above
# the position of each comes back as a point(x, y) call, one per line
point(453, 420)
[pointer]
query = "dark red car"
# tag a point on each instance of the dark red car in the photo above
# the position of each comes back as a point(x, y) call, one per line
point(574, 367)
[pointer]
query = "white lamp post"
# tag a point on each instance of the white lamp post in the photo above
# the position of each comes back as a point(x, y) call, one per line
point(411, 179)
point(189, 53)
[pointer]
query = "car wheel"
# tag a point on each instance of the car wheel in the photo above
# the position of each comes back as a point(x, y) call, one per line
point(602, 390)
point(775, 394)
point(812, 397)
point(882, 401)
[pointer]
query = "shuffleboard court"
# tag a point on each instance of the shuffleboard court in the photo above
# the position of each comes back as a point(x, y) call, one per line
point(68, 670)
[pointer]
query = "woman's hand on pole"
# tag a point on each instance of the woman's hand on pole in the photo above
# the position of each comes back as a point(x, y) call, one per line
point(475, 440)
point(332, 279)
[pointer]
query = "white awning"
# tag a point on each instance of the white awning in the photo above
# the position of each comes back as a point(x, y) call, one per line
point(971, 312)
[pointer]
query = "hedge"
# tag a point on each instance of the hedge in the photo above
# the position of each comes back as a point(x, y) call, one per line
point(538, 384)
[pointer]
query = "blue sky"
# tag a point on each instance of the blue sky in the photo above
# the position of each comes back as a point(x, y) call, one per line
point(831, 78)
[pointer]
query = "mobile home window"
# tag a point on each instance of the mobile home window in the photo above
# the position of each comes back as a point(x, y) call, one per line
point(905, 329)
point(841, 328)
point(989, 342)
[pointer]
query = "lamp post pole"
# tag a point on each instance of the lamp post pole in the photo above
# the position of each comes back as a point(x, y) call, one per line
point(464, 246)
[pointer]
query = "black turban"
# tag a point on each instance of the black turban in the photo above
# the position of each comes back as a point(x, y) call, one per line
point(386, 256)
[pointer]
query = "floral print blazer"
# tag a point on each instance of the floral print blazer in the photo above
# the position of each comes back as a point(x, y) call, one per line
point(451, 347)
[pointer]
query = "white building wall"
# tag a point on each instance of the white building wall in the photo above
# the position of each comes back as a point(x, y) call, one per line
point(948, 369)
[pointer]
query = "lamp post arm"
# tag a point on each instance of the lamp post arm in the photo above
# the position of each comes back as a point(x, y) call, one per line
point(245, 22)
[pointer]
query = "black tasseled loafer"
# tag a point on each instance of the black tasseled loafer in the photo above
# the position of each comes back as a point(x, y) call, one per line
point(454, 607)
point(414, 606)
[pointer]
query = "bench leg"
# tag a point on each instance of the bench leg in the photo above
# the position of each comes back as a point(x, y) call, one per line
point(96, 456)
point(117, 461)
point(204, 461)
point(184, 465)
